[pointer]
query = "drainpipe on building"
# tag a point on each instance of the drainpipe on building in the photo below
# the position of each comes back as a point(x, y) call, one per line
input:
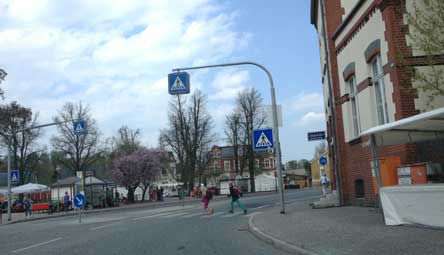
point(331, 106)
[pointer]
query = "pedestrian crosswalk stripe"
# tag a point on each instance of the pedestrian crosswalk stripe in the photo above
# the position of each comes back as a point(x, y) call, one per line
point(193, 214)
point(172, 215)
point(232, 215)
point(152, 216)
point(212, 215)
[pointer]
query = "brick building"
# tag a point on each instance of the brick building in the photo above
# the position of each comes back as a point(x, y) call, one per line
point(222, 165)
point(370, 86)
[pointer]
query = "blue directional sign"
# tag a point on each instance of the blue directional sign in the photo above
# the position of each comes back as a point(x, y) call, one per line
point(79, 200)
point(323, 160)
point(313, 136)
point(15, 176)
point(178, 83)
point(263, 139)
point(79, 127)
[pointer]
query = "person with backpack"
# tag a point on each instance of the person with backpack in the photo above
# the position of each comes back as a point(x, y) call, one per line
point(235, 198)
point(27, 203)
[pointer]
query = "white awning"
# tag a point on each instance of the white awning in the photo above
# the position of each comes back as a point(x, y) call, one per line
point(30, 188)
point(421, 127)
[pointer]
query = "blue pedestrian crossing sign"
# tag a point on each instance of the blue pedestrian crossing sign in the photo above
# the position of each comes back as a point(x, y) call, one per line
point(263, 139)
point(79, 127)
point(15, 176)
point(79, 200)
point(178, 83)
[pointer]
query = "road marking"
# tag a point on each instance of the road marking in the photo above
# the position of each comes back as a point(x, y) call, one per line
point(172, 215)
point(151, 216)
point(232, 215)
point(104, 226)
point(212, 215)
point(193, 214)
point(260, 207)
point(36, 245)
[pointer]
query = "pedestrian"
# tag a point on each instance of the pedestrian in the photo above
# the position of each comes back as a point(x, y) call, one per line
point(28, 206)
point(154, 194)
point(158, 194)
point(161, 193)
point(66, 202)
point(235, 198)
point(325, 181)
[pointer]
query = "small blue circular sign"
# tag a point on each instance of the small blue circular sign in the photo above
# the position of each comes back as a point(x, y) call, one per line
point(79, 200)
point(322, 160)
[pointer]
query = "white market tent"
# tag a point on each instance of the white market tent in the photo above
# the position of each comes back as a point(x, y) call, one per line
point(422, 127)
point(409, 204)
point(3, 191)
point(30, 188)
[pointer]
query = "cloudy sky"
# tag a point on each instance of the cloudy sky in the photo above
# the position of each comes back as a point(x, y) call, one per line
point(115, 56)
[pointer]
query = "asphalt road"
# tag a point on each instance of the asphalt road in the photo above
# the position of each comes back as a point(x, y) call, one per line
point(163, 230)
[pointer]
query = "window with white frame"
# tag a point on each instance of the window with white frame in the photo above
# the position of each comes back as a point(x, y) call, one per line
point(227, 165)
point(378, 82)
point(267, 163)
point(354, 105)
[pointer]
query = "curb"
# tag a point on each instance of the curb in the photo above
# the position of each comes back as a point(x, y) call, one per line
point(277, 243)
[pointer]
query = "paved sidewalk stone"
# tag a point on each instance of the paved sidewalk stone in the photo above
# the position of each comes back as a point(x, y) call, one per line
point(346, 230)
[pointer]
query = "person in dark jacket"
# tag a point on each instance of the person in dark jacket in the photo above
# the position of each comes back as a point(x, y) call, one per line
point(235, 198)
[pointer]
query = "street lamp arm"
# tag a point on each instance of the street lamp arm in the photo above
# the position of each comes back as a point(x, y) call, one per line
point(44, 125)
point(230, 64)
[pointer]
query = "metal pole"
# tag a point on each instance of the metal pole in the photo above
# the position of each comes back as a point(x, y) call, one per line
point(9, 185)
point(332, 110)
point(275, 120)
point(376, 167)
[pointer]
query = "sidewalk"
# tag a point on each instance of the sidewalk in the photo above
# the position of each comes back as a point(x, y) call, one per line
point(341, 230)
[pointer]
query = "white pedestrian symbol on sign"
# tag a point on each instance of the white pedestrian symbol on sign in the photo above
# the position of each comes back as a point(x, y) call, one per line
point(178, 85)
point(14, 178)
point(263, 141)
point(79, 128)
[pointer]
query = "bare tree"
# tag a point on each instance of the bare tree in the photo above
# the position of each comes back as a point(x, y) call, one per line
point(321, 148)
point(127, 140)
point(79, 151)
point(249, 103)
point(233, 132)
point(21, 144)
point(189, 134)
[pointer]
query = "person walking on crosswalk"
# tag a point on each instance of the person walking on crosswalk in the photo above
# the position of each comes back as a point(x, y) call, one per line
point(235, 198)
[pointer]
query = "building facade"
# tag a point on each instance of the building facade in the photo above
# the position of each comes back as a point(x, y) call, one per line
point(370, 86)
point(224, 166)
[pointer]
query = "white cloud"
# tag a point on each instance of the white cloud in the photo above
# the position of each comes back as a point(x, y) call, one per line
point(113, 55)
point(305, 101)
point(311, 118)
point(227, 84)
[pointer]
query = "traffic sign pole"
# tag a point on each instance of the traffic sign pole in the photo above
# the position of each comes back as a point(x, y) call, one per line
point(274, 113)
point(9, 186)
